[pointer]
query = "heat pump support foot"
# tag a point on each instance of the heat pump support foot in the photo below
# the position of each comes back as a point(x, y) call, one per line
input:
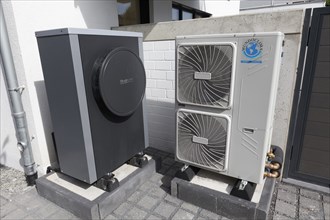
point(107, 183)
point(243, 189)
point(138, 160)
point(187, 172)
point(52, 169)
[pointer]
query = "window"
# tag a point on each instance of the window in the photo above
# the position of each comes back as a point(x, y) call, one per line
point(182, 12)
point(132, 12)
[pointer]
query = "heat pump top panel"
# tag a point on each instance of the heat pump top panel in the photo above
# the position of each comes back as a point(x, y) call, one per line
point(205, 74)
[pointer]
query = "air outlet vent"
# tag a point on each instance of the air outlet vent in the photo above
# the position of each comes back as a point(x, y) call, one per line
point(205, 74)
point(202, 139)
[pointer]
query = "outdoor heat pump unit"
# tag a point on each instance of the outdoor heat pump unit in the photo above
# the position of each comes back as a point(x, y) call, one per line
point(226, 89)
point(95, 82)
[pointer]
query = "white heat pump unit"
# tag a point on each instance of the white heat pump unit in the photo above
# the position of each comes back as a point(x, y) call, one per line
point(226, 89)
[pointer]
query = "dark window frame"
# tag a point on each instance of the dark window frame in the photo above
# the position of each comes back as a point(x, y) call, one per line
point(194, 11)
point(144, 12)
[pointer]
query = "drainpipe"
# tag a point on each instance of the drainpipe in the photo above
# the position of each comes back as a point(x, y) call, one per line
point(15, 99)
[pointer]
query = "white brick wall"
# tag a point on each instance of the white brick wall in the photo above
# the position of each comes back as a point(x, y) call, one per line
point(160, 65)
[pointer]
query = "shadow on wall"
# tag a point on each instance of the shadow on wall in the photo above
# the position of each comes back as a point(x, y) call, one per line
point(46, 118)
point(98, 14)
point(161, 124)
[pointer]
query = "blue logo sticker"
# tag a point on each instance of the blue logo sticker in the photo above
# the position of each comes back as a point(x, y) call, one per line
point(252, 49)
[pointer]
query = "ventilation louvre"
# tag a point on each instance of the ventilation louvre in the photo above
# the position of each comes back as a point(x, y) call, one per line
point(204, 74)
point(202, 139)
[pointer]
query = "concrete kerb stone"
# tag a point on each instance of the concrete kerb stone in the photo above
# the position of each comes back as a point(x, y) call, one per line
point(128, 186)
point(66, 199)
point(221, 203)
point(100, 207)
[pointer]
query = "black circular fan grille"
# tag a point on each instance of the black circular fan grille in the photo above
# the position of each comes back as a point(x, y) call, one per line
point(214, 60)
point(211, 155)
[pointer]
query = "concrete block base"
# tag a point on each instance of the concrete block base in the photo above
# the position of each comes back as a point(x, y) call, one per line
point(211, 191)
point(87, 201)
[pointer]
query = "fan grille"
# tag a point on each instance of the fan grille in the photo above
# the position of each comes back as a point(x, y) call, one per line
point(204, 74)
point(202, 140)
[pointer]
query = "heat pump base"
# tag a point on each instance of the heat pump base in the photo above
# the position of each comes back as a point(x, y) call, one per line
point(138, 160)
point(89, 202)
point(243, 189)
point(107, 183)
point(211, 191)
point(187, 172)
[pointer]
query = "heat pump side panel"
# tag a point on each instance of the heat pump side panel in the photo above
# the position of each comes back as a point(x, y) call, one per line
point(65, 106)
point(254, 106)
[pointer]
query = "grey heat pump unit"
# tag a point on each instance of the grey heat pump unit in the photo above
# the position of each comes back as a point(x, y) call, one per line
point(95, 82)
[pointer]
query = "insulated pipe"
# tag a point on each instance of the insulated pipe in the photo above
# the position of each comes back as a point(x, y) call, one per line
point(15, 99)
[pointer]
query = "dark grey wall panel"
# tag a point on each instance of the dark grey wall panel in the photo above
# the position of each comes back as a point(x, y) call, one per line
point(322, 69)
point(319, 115)
point(320, 100)
point(316, 142)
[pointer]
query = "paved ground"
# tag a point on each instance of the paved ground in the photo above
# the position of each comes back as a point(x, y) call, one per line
point(153, 200)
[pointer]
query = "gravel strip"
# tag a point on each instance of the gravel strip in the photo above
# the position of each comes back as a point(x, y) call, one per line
point(12, 181)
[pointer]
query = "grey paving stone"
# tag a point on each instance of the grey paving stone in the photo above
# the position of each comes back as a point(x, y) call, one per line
point(111, 217)
point(157, 192)
point(165, 209)
point(287, 196)
point(285, 208)
point(148, 202)
point(153, 217)
point(30, 200)
point(62, 214)
point(47, 210)
point(172, 171)
point(122, 209)
point(310, 215)
point(326, 198)
point(191, 208)
point(173, 200)
point(278, 216)
point(136, 196)
point(33, 216)
point(157, 178)
point(208, 215)
point(163, 169)
point(178, 165)
point(310, 194)
point(310, 203)
point(135, 213)
point(168, 161)
point(287, 187)
point(326, 208)
point(17, 214)
point(7, 208)
point(182, 214)
point(166, 181)
point(147, 186)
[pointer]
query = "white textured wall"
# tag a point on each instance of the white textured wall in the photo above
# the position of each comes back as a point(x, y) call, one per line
point(222, 8)
point(160, 66)
point(161, 10)
point(23, 18)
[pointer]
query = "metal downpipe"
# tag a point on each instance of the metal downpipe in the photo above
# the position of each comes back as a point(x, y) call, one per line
point(15, 99)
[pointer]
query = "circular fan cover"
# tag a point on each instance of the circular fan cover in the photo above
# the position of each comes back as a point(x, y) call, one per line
point(214, 61)
point(202, 140)
point(120, 81)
